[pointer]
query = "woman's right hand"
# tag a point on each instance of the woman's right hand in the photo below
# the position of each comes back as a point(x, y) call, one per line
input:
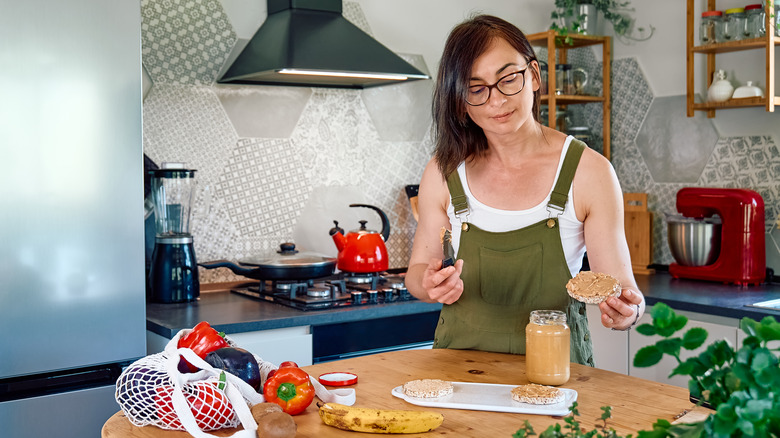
point(443, 285)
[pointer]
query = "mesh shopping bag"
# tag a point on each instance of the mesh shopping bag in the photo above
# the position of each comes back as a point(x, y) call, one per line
point(153, 391)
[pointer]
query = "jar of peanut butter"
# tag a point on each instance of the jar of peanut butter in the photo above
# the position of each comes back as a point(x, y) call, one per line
point(547, 354)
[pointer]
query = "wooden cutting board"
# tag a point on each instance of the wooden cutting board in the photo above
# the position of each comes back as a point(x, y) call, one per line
point(639, 231)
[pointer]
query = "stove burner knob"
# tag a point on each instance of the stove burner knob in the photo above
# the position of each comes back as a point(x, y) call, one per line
point(372, 296)
point(387, 294)
point(357, 297)
point(403, 293)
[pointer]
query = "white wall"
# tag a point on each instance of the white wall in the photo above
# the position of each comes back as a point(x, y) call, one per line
point(422, 26)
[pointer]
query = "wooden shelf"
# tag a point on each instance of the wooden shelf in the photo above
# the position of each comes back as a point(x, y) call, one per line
point(556, 44)
point(768, 43)
point(563, 99)
point(734, 103)
point(736, 46)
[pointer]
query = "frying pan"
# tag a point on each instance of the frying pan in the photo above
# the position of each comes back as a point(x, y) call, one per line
point(285, 264)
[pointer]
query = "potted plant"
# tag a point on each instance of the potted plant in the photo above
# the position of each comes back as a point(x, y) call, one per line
point(742, 385)
point(582, 17)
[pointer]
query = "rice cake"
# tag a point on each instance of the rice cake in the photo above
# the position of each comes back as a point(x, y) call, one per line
point(593, 287)
point(537, 394)
point(427, 388)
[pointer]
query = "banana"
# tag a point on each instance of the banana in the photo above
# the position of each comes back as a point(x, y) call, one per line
point(379, 420)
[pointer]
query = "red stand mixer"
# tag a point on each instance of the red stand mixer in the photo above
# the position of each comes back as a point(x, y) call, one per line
point(742, 256)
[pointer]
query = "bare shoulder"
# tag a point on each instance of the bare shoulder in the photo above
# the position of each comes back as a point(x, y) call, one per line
point(594, 168)
point(595, 184)
point(433, 186)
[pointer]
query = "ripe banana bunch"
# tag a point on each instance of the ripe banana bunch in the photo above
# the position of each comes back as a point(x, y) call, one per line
point(379, 420)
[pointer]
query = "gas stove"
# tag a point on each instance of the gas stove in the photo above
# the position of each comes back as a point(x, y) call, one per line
point(341, 290)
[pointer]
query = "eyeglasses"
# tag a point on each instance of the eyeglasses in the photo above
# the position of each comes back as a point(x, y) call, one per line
point(508, 85)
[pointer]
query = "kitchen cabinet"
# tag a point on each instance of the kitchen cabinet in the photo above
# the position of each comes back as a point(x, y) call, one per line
point(766, 44)
point(555, 44)
point(610, 347)
point(717, 327)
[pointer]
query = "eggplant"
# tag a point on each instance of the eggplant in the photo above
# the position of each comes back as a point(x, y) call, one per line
point(238, 362)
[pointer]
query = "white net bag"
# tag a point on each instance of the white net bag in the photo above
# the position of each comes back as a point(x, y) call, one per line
point(153, 391)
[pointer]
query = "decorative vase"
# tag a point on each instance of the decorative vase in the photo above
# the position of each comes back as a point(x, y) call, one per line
point(721, 89)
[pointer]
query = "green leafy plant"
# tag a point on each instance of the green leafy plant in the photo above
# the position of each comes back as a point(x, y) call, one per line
point(568, 20)
point(742, 385)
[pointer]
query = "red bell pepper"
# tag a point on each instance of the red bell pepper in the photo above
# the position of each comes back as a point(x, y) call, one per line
point(202, 340)
point(208, 403)
point(289, 388)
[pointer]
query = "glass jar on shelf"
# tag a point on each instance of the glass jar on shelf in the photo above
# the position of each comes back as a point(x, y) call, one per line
point(755, 26)
point(734, 24)
point(710, 30)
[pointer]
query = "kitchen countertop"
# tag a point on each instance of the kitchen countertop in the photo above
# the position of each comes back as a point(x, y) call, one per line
point(233, 313)
point(711, 298)
point(636, 403)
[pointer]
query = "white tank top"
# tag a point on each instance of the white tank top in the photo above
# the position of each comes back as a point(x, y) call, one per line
point(497, 221)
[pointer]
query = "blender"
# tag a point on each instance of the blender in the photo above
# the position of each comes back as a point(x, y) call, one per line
point(173, 275)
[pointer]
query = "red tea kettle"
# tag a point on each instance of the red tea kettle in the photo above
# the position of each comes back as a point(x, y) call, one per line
point(362, 250)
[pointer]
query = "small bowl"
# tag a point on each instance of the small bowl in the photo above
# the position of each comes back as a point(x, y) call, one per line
point(694, 242)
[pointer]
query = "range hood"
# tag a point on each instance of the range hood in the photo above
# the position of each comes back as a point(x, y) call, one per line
point(309, 43)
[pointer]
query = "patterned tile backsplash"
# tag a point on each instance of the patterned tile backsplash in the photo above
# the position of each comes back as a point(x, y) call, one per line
point(277, 164)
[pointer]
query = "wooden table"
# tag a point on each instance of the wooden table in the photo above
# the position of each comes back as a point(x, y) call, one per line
point(636, 403)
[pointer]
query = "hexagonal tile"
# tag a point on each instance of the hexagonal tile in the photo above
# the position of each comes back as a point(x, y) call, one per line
point(747, 162)
point(631, 169)
point(675, 147)
point(185, 42)
point(263, 187)
point(188, 124)
point(401, 112)
point(262, 111)
point(631, 99)
point(354, 14)
point(334, 136)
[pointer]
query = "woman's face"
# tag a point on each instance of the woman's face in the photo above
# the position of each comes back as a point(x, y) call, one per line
point(501, 114)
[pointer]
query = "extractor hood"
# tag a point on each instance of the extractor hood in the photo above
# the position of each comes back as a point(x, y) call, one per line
point(309, 43)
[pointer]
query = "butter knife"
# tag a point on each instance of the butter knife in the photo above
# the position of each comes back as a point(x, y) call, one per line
point(449, 252)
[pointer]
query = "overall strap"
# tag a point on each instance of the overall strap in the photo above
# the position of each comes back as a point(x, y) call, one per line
point(560, 192)
point(457, 195)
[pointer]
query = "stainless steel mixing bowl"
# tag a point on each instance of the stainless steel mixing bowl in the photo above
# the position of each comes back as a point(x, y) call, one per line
point(694, 242)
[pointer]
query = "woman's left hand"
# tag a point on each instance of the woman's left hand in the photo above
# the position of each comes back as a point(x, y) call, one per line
point(623, 312)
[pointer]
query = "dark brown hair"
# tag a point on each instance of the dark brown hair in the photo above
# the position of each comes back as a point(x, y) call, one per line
point(457, 136)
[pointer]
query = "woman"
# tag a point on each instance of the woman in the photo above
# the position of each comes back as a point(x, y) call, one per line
point(522, 202)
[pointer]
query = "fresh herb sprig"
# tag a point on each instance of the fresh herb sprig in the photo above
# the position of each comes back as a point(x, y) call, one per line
point(572, 428)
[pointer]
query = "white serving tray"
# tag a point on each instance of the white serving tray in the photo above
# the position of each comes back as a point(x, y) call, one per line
point(489, 397)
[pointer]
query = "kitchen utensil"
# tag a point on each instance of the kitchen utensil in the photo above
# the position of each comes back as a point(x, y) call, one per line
point(721, 89)
point(741, 259)
point(694, 242)
point(638, 223)
point(173, 274)
point(412, 191)
point(449, 252)
point(285, 264)
point(748, 90)
point(488, 397)
point(362, 250)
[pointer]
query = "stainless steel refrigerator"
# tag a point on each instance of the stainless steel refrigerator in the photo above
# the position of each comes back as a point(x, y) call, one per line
point(72, 309)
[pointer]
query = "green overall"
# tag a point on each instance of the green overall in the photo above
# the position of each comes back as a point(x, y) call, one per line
point(508, 274)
